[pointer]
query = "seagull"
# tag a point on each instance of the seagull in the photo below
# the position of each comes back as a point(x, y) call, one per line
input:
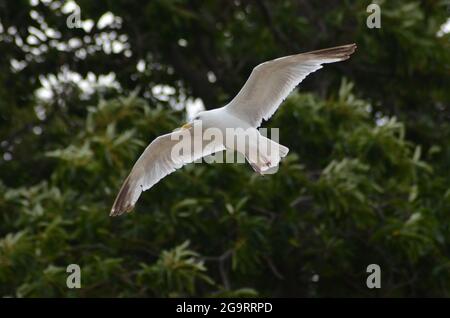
point(267, 87)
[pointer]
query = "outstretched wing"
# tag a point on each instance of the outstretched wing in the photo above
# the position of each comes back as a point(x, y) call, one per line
point(162, 157)
point(271, 82)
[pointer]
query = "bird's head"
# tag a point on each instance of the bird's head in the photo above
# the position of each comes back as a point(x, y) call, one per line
point(188, 125)
point(199, 116)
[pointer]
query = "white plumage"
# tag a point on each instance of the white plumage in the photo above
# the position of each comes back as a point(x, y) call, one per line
point(266, 88)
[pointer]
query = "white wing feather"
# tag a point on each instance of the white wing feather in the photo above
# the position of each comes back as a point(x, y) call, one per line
point(157, 161)
point(271, 82)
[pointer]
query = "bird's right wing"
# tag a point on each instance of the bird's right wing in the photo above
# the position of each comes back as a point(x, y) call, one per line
point(163, 156)
point(271, 82)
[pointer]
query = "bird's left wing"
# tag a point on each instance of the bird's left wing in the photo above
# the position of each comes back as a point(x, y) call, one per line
point(163, 156)
point(271, 82)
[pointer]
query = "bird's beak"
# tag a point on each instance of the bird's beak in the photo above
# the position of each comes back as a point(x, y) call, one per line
point(186, 126)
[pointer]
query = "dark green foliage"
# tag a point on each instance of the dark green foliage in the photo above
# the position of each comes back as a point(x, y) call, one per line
point(331, 215)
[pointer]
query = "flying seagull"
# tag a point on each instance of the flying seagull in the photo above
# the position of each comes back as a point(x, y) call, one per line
point(266, 88)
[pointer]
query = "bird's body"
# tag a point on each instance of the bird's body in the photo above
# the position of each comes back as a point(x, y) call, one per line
point(222, 119)
point(268, 85)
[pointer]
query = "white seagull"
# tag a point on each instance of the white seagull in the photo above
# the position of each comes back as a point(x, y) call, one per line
point(266, 88)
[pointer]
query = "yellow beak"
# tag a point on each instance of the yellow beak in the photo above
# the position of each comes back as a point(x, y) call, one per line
point(187, 126)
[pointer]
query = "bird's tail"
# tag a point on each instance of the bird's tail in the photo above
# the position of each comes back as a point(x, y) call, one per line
point(267, 157)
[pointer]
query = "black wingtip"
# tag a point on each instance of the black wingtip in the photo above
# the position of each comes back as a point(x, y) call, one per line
point(118, 212)
point(342, 52)
point(122, 203)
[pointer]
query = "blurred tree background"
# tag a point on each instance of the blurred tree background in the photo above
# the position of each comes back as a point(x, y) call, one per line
point(366, 181)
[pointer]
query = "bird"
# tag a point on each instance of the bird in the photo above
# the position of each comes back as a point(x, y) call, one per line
point(267, 87)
